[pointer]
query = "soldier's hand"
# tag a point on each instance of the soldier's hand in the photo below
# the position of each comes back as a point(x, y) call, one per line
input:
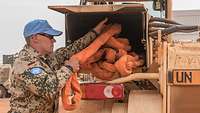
point(74, 63)
point(114, 29)
point(100, 26)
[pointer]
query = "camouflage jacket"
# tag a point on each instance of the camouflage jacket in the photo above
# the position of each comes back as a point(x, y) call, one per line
point(37, 80)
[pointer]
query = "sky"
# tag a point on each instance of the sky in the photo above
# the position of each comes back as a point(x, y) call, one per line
point(186, 4)
point(16, 13)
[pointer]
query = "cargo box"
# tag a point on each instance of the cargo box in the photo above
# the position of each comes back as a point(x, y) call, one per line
point(133, 18)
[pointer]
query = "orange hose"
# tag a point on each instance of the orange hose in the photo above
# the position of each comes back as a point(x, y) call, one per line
point(114, 43)
point(83, 55)
point(110, 55)
point(96, 57)
point(123, 40)
point(133, 54)
point(101, 73)
point(107, 66)
point(71, 84)
point(85, 66)
point(121, 65)
point(120, 53)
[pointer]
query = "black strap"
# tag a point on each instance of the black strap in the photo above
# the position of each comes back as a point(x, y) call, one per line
point(97, 34)
point(69, 67)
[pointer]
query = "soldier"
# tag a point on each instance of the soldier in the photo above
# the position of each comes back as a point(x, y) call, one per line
point(38, 73)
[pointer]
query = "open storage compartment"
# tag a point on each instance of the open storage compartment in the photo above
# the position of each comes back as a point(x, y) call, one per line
point(81, 19)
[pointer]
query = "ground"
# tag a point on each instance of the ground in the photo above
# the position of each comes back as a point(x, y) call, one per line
point(4, 106)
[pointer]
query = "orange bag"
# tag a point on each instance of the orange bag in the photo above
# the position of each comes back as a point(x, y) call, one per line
point(114, 43)
point(71, 85)
point(123, 40)
point(120, 53)
point(110, 55)
point(96, 57)
point(125, 65)
point(82, 56)
point(101, 73)
point(107, 66)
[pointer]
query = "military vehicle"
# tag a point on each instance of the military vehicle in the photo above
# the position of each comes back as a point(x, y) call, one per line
point(172, 68)
point(5, 73)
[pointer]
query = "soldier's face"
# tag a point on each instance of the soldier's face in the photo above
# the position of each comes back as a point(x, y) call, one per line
point(46, 43)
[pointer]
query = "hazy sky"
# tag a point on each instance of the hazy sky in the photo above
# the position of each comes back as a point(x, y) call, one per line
point(16, 13)
point(186, 4)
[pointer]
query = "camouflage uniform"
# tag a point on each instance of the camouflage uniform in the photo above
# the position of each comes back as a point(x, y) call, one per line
point(36, 91)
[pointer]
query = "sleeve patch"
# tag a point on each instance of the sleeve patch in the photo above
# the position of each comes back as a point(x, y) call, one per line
point(36, 70)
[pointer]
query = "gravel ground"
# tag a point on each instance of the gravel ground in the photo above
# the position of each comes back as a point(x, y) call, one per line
point(4, 106)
